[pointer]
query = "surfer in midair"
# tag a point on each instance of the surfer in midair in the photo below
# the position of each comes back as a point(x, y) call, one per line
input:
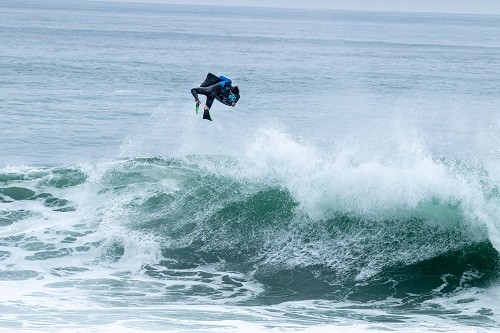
point(222, 90)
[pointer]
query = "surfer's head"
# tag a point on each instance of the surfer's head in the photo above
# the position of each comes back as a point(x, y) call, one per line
point(234, 94)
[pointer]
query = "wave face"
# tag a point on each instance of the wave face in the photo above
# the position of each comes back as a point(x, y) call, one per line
point(268, 228)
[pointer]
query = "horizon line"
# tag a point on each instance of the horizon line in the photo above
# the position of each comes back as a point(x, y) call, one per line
point(277, 6)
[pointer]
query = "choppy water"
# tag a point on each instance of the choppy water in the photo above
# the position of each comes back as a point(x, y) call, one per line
point(356, 186)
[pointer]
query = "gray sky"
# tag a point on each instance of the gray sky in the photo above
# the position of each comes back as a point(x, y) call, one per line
point(442, 6)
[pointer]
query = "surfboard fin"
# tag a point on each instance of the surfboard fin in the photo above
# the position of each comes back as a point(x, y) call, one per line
point(206, 115)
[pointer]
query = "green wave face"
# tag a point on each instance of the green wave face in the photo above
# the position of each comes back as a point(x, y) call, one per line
point(203, 212)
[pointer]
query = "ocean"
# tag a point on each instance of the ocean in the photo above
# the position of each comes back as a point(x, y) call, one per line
point(355, 186)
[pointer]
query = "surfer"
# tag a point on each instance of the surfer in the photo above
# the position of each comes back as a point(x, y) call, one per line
point(216, 87)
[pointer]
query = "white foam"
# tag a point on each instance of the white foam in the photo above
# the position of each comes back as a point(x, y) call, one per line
point(370, 187)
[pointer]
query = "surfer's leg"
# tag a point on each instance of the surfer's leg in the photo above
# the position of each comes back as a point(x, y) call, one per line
point(208, 105)
point(209, 102)
point(199, 90)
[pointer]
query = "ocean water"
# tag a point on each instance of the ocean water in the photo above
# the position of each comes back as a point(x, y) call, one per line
point(355, 187)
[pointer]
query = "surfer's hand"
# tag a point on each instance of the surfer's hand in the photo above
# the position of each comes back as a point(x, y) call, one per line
point(233, 104)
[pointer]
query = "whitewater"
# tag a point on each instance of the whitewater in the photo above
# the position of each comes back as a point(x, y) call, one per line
point(355, 187)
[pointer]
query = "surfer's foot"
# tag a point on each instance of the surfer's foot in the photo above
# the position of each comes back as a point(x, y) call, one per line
point(198, 103)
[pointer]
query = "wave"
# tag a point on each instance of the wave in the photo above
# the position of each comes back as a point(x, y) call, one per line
point(302, 225)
